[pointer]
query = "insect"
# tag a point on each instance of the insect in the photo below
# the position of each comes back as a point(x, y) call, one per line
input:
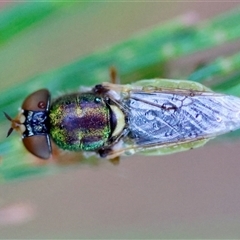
point(152, 117)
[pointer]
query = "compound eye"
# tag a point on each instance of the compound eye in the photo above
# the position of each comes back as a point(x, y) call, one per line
point(38, 145)
point(37, 101)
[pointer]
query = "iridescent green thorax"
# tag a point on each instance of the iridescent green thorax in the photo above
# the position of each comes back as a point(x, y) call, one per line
point(80, 121)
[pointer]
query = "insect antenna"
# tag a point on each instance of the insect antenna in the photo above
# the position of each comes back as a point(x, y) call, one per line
point(12, 121)
point(7, 116)
point(9, 131)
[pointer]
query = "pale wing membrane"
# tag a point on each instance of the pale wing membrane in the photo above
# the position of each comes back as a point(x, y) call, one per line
point(168, 118)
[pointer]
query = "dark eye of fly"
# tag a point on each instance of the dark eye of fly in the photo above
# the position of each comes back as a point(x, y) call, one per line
point(36, 136)
point(33, 123)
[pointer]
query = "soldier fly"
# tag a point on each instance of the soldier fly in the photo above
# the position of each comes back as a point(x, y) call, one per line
point(152, 117)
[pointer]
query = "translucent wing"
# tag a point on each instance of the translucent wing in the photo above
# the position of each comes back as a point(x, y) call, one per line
point(175, 119)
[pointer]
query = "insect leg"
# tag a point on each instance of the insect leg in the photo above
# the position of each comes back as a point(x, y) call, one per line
point(115, 161)
point(114, 75)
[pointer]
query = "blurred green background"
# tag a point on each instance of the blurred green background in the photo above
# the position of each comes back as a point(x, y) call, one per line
point(190, 195)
